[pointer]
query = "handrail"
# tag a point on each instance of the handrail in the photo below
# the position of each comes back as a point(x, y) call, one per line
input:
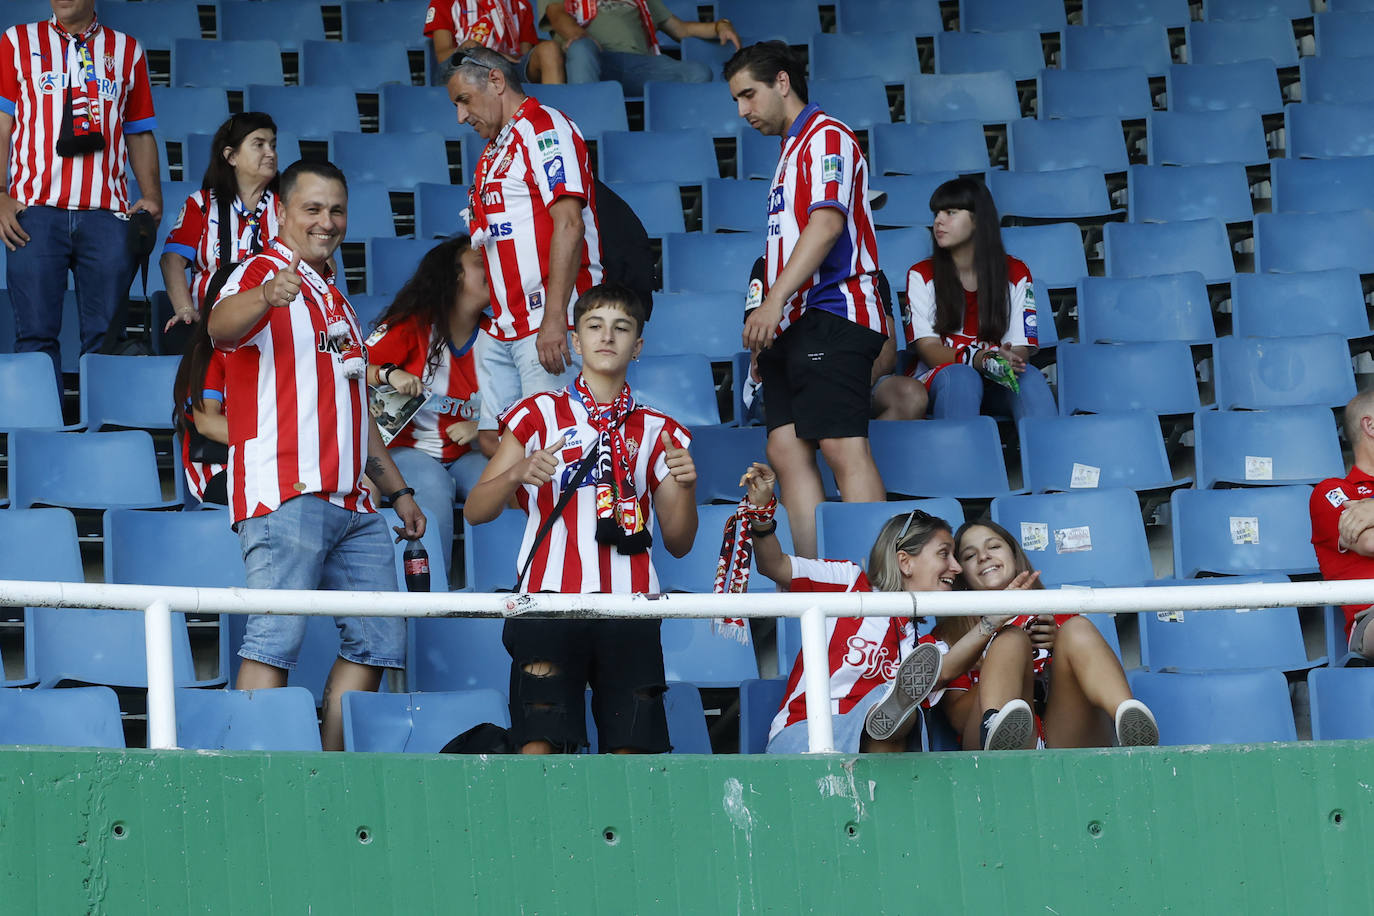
point(159, 602)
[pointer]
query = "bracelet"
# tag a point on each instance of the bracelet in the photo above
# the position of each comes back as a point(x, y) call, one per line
point(763, 532)
point(384, 373)
point(404, 491)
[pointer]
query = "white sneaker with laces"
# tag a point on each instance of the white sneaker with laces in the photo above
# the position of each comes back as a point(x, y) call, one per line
point(1135, 725)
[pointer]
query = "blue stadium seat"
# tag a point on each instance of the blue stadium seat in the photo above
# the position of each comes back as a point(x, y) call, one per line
point(704, 107)
point(417, 723)
point(362, 66)
point(1119, 92)
point(1168, 193)
point(127, 391)
point(759, 701)
point(400, 161)
point(1165, 307)
point(1285, 445)
point(1213, 10)
point(989, 98)
point(1200, 138)
point(722, 454)
point(1054, 252)
point(1342, 703)
point(1224, 707)
point(1254, 373)
point(732, 205)
point(31, 373)
point(1309, 185)
point(1350, 6)
point(75, 717)
point(695, 322)
point(491, 552)
point(458, 653)
point(312, 112)
point(1222, 640)
point(369, 211)
point(1066, 143)
point(1092, 451)
point(87, 646)
point(1105, 378)
point(705, 262)
point(921, 17)
point(908, 199)
point(980, 472)
point(860, 102)
point(1019, 53)
point(40, 546)
point(185, 110)
point(157, 26)
point(369, 20)
point(392, 261)
point(1316, 302)
point(293, 21)
point(1003, 15)
point(1170, 13)
point(278, 719)
point(1344, 34)
point(762, 20)
point(711, 53)
point(369, 309)
point(888, 55)
point(757, 155)
point(1242, 531)
point(230, 65)
point(598, 107)
point(24, 11)
point(1112, 551)
point(658, 204)
point(1216, 87)
point(683, 156)
point(687, 732)
point(413, 109)
point(697, 651)
point(1320, 131)
point(913, 149)
point(846, 531)
point(680, 386)
point(1089, 47)
point(1146, 249)
point(1077, 193)
point(195, 158)
point(84, 470)
point(899, 249)
point(439, 208)
point(1290, 242)
point(1248, 39)
point(696, 572)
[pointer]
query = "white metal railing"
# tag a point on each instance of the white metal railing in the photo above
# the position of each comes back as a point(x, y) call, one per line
point(158, 604)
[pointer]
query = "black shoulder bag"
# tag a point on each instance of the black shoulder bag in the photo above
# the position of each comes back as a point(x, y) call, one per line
point(582, 470)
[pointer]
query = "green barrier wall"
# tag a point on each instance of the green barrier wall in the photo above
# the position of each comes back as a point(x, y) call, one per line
point(1246, 829)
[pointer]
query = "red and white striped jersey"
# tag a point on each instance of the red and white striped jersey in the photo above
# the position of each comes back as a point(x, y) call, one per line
point(198, 473)
point(918, 317)
point(502, 25)
point(298, 425)
point(822, 166)
point(865, 652)
point(195, 236)
point(453, 381)
point(539, 157)
point(569, 559)
point(33, 84)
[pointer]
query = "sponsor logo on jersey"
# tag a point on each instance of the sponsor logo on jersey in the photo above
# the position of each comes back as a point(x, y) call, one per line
point(832, 168)
point(755, 297)
point(429, 15)
point(775, 201)
point(553, 170)
point(535, 300)
point(1032, 324)
point(325, 344)
point(181, 215)
point(50, 82)
point(376, 336)
point(872, 657)
point(500, 230)
point(492, 197)
point(547, 143)
point(1337, 497)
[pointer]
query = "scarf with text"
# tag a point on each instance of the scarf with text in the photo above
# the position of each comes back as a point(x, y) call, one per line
point(736, 554)
point(619, 523)
point(80, 133)
point(584, 11)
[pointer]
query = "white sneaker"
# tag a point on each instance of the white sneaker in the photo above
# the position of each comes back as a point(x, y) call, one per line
point(1135, 725)
point(1008, 728)
point(893, 716)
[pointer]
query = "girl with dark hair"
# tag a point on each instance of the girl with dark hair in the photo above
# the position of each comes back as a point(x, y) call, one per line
point(235, 205)
point(971, 320)
point(1000, 671)
point(198, 393)
point(423, 343)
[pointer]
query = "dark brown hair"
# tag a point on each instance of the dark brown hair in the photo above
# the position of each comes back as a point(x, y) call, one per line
point(989, 263)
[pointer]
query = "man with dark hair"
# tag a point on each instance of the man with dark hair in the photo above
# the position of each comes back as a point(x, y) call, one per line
point(533, 216)
point(1342, 510)
point(591, 467)
point(298, 436)
point(821, 322)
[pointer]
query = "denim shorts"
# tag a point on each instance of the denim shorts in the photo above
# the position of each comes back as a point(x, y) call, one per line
point(310, 543)
point(508, 370)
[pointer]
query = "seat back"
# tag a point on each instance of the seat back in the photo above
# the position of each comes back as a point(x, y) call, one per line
point(1216, 87)
point(1243, 531)
point(1061, 194)
point(1167, 193)
point(888, 54)
point(1344, 33)
point(490, 554)
point(733, 204)
point(1017, 52)
point(399, 161)
point(34, 401)
point(846, 531)
point(1101, 47)
point(1054, 252)
point(1342, 703)
point(1170, 13)
point(417, 723)
point(278, 719)
point(680, 386)
point(1000, 15)
point(294, 21)
point(658, 205)
point(187, 110)
point(363, 66)
point(1306, 185)
point(1119, 92)
point(683, 156)
point(1146, 249)
point(989, 98)
point(979, 473)
point(128, 391)
point(1289, 242)
point(392, 261)
point(1286, 445)
point(457, 653)
point(1255, 373)
point(1205, 137)
point(312, 112)
point(39, 545)
point(921, 17)
point(1066, 143)
point(1250, 39)
point(416, 109)
point(1091, 451)
point(706, 653)
point(222, 64)
point(687, 106)
point(860, 102)
point(700, 262)
point(1100, 378)
point(594, 107)
point(84, 470)
point(908, 198)
point(1087, 536)
point(696, 572)
point(92, 646)
point(722, 454)
point(1319, 301)
point(914, 149)
point(1214, 640)
point(759, 701)
point(75, 717)
point(438, 210)
point(1314, 130)
point(1223, 707)
point(1125, 310)
point(762, 20)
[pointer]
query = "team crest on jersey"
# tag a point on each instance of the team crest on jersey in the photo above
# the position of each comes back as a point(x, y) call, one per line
point(429, 15)
point(504, 165)
point(535, 300)
point(480, 30)
point(50, 82)
point(1337, 497)
point(832, 167)
point(548, 145)
point(181, 215)
point(631, 447)
point(376, 336)
point(553, 169)
point(109, 65)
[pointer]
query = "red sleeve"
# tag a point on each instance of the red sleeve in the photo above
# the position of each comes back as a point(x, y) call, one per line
point(191, 224)
point(9, 76)
point(249, 275)
point(400, 344)
point(1326, 505)
point(214, 373)
point(138, 108)
point(658, 465)
point(522, 420)
point(439, 17)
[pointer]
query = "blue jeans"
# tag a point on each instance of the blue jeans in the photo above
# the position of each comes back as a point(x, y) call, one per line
point(584, 62)
point(93, 245)
point(508, 370)
point(309, 543)
point(959, 392)
point(437, 487)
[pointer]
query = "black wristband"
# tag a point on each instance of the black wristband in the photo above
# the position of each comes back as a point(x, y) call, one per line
point(763, 533)
point(384, 374)
point(404, 491)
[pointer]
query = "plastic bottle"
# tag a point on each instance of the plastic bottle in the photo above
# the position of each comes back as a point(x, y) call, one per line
point(416, 563)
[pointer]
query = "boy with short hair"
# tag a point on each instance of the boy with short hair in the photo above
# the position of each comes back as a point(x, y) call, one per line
point(592, 466)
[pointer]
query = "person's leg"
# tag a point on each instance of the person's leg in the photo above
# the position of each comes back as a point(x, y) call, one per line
point(582, 62)
point(855, 473)
point(550, 662)
point(632, 71)
point(544, 64)
point(956, 392)
point(363, 560)
point(1005, 675)
point(628, 684)
point(434, 491)
point(1086, 686)
point(799, 485)
point(465, 472)
point(1033, 400)
point(899, 397)
point(497, 379)
point(534, 378)
point(100, 253)
point(36, 275)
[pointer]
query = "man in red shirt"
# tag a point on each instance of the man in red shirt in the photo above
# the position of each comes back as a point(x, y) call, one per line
point(1343, 520)
point(76, 108)
point(505, 26)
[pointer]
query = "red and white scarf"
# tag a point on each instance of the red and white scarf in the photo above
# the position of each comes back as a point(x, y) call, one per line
point(619, 523)
point(737, 550)
point(477, 210)
point(80, 132)
point(584, 11)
